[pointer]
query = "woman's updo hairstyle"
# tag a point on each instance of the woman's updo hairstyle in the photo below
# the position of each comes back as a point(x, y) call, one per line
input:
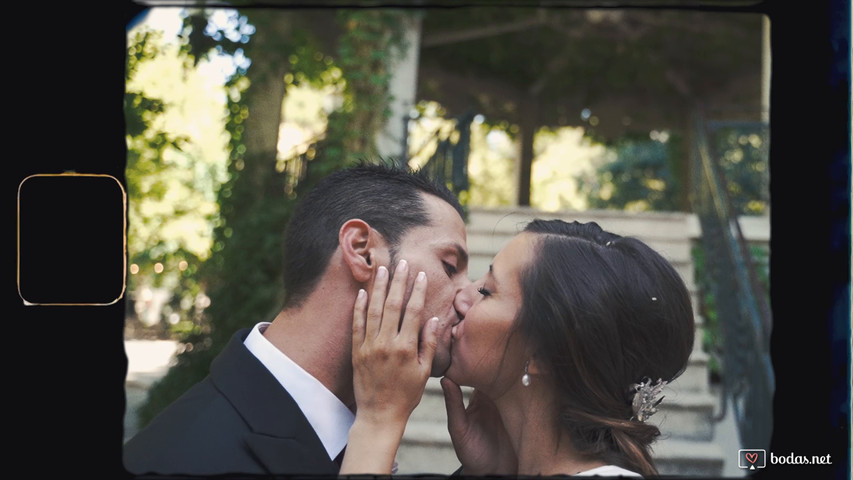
point(604, 312)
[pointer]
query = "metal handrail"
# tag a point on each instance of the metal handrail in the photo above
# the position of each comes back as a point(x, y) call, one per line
point(740, 299)
point(449, 162)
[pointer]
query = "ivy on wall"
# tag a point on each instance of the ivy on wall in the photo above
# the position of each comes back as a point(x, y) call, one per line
point(372, 40)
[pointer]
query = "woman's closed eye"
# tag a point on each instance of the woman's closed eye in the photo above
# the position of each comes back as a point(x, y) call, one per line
point(484, 292)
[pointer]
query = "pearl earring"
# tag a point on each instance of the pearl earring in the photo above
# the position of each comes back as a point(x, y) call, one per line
point(525, 379)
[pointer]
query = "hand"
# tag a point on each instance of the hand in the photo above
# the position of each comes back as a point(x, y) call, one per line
point(390, 368)
point(481, 442)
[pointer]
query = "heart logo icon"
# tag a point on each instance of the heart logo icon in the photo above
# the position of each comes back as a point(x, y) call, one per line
point(752, 457)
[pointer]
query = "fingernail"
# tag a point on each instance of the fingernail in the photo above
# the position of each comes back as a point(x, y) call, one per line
point(401, 267)
point(421, 276)
point(361, 293)
point(433, 323)
point(382, 272)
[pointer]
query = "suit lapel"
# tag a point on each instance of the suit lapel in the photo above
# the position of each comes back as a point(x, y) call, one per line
point(287, 455)
point(281, 439)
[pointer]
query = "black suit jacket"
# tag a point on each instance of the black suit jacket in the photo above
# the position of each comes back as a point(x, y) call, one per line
point(238, 420)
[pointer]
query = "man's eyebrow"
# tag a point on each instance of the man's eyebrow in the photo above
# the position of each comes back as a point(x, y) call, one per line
point(457, 249)
point(461, 253)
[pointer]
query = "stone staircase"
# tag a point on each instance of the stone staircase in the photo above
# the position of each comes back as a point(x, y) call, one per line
point(686, 446)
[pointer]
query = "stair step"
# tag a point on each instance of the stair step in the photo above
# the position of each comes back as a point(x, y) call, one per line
point(676, 250)
point(479, 260)
point(671, 234)
point(688, 458)
point(695, 377)
point(686, 415)
point(426, 433)
point(426, 449)
point(692, 383)
point(652, 225)
point(431, 408)
point(417, 457)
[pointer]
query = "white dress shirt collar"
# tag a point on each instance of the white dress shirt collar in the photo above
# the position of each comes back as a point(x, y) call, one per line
point(329, 417)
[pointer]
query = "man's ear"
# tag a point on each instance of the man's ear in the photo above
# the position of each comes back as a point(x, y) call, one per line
point(358, 244)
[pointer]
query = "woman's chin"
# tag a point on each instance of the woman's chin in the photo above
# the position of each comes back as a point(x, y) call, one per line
point(455, 373)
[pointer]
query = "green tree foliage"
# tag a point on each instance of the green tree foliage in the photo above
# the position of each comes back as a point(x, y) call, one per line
point(170, 188)
point(741, 151)
point(147, 148)
point(637, 177)
point(563, 156)
point(371, 39)
point(490, 167)
point(243, 275)
point(643, 174)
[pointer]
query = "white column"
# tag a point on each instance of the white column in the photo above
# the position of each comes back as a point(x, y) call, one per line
point(403, 89)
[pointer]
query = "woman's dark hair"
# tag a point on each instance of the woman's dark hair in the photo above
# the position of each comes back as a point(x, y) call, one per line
point(604, 312)
point(387, 197)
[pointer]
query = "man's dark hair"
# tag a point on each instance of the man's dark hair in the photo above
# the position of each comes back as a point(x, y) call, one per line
point(385, 196)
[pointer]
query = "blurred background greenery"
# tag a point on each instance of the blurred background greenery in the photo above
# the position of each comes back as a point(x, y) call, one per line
point(232, 113)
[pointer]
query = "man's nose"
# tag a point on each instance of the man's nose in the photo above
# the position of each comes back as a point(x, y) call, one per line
point(464, 299)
